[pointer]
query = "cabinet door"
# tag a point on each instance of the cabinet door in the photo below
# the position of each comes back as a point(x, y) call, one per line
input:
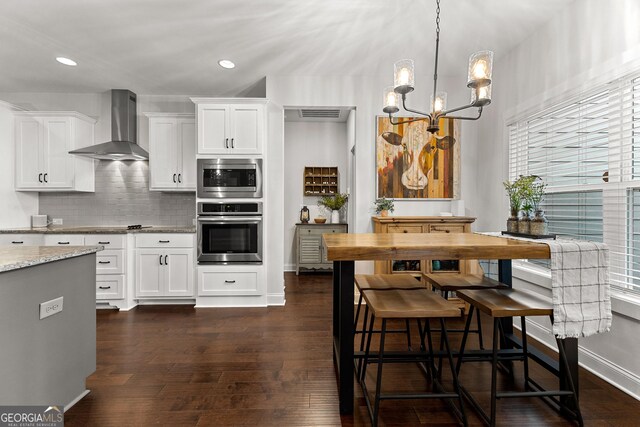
point(178, 273)
point(247, 129)
point(28, 138)
point(187, 154)
point(56, 143)
point(149, 273)
point(213, 129)
point(310, 249)
point(163, 152)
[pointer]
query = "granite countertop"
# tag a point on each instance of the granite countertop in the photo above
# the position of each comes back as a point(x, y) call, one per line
point(14, 258)
point(117, 229)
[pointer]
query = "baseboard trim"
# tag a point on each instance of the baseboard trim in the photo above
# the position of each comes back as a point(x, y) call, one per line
point(608, 371)
point(276, 299)
point(289, 267)
point(76, 400)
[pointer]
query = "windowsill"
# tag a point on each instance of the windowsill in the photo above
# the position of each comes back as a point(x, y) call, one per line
point(624, 304)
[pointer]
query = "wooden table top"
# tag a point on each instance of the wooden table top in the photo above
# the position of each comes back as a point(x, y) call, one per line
point(381, 246)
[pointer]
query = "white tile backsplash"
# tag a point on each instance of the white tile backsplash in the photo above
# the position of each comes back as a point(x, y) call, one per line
point(122, 197)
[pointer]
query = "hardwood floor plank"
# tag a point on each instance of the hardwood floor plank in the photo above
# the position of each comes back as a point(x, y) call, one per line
point(180, 366)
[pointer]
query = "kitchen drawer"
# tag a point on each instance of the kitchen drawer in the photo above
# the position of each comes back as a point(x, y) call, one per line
point(109, 241)
point(63, 240)
point(319, 231)
point(446, 228)
point(164, 240)
point(109, 287)
point(398, 228)
point(227, 283)
point(110, 261)
point(21, 239)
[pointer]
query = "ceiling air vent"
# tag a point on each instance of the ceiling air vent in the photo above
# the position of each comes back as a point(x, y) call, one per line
point(319, 114)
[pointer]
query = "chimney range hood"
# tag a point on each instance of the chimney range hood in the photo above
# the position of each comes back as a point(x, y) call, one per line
point(123, 144)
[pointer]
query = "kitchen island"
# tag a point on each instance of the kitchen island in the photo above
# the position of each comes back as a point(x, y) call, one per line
point(47, 323)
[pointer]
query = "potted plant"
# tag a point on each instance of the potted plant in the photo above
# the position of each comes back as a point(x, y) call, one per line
point(384, 206)
point(539, 224)
point(515, 203)
point(525, 187)
point(334, 204)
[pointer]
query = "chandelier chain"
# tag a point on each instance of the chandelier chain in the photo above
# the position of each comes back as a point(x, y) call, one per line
point(437, 19)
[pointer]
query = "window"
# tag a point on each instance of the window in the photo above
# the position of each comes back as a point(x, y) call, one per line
point(587, 150)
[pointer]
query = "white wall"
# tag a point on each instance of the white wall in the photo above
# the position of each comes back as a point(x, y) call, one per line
point(588, 41)
point(309, 144)
point(16, 208)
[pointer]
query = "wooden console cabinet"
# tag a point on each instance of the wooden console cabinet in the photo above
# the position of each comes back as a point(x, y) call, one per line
point(310, 251)
point(423, 224)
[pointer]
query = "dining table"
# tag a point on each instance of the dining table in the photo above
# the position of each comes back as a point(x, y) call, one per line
point(345, 249)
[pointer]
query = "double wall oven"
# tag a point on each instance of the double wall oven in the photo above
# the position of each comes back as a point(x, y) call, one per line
point(229, 231)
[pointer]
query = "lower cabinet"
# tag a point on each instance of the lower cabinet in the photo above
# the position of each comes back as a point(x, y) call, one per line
point(162, 270)
point(229, 282)
point(109, 287)
point(310, 251)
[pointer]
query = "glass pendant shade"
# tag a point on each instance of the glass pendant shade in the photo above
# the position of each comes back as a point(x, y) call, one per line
point(481, 96)
point(480, 69)
point(403, 76)
point(391, 101)
point(439, 104)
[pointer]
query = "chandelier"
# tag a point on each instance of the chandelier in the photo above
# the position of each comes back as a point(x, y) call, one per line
point(478, 79)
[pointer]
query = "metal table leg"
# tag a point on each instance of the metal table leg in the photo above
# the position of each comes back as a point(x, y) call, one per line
point(343, 272)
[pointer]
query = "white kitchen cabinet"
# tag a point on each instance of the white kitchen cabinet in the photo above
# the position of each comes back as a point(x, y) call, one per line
point(43, 141)
point(172, 152)
point(11, 239)
point(64, 240)
point(229, 128)
point(164, 265)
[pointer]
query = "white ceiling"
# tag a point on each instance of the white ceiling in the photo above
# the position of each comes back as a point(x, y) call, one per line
point(172, 46)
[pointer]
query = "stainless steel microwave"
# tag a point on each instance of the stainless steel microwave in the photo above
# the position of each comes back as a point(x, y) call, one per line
point(229, 178)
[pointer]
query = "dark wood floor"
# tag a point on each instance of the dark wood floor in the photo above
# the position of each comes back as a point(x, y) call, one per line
point(168, 365)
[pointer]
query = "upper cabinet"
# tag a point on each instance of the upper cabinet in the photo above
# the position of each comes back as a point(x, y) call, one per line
point(230, 128)
point(43, 141)
point(172, 152)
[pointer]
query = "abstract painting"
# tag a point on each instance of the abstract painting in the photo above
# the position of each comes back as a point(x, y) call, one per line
point(413, 163)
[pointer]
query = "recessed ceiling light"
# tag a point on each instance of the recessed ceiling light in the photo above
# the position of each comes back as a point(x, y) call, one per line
point(66, 61)
point(225, 63)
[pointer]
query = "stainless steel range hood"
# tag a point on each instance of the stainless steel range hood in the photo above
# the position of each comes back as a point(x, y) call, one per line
point(123, 144)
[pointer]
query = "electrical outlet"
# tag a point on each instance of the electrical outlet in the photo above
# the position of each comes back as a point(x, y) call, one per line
point(57, 221)
point(50, 308)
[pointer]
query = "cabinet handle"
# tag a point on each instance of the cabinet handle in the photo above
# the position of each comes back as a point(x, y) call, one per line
point(160, 259)
point(45, 177)
point(104, 262)
point(104, 287)
point(63, 243)
point(17, 242)
point(180, 177)
point(166, 258)
point(232, 143)
point(229, 281)
point(226, 143)
point(174, 177)
point(104, 243)
point(39, 177)
point(404, 231)
point(163, 241)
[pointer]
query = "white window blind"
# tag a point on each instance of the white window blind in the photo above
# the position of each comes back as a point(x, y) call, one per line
point(587, 149)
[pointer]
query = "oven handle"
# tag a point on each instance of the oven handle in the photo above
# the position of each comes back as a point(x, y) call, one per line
point(230, 219)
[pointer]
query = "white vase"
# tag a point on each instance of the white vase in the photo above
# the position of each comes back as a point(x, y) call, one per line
point(335, 217)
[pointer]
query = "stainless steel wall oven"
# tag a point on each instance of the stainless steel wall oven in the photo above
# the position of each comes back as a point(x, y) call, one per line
point(229, 232)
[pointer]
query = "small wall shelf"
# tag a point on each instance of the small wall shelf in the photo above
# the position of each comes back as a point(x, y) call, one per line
point(320, 180)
